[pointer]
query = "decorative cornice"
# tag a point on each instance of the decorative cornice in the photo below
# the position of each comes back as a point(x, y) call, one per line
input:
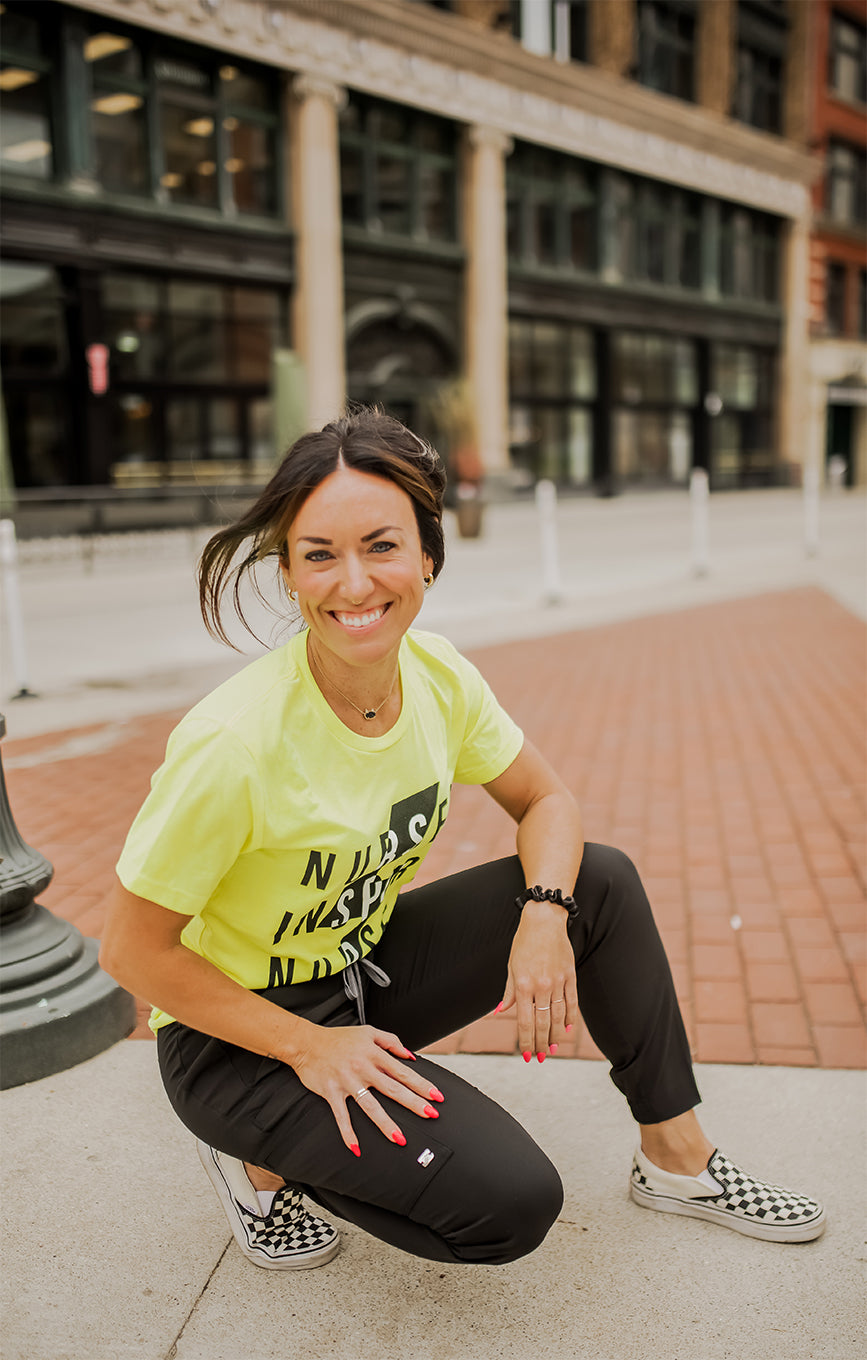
point(288, 38)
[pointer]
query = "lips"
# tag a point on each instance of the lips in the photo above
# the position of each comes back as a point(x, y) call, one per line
point(356, 621)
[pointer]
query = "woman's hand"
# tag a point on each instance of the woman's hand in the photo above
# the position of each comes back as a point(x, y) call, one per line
point(541, 980)
point(354, 1062)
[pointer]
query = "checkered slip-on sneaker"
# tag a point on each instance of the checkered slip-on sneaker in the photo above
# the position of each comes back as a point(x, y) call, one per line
point(288, 1238)
point(725, 1194)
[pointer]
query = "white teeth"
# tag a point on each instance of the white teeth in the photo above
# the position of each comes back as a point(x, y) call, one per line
point(359, 620)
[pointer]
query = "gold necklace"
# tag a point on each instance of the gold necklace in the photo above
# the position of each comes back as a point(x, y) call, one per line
point(368, 713)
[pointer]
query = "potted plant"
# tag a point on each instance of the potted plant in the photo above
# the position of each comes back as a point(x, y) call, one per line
point(453, 409)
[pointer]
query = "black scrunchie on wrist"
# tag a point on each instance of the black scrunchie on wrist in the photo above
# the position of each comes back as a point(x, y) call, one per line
point(539, 894)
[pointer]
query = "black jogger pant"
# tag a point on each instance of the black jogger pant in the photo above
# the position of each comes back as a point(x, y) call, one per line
point(472, 1185)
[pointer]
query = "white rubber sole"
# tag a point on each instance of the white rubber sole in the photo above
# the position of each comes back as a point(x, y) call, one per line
point(317, 1256)
point(750, 1227)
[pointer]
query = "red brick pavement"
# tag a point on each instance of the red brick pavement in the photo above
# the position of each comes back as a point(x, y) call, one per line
point(723, 748)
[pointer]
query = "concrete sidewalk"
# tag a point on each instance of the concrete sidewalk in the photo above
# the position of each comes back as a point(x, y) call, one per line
point(115, 1247)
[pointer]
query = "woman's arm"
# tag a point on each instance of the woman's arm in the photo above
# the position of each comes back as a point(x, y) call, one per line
point(142, 950)
point(550, 843)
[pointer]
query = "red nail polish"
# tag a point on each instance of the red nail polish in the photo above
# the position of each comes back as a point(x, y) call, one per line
point(554, 1047)
point(498, 1008)
point(409, 1055)
point(541, 1057)
point(431, 1113)
point(569, 1029)
point(435, 1094)
point(526, 1056)
point(355, 1149)
point(399, 1139)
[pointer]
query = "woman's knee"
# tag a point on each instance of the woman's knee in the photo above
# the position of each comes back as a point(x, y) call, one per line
point(608, 875)
point(522, 1215)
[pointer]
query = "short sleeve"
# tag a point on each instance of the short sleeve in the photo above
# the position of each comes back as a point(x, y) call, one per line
point(491, 739)
point(202, 813)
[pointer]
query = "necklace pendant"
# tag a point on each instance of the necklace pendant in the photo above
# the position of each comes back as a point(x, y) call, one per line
point(369, 713)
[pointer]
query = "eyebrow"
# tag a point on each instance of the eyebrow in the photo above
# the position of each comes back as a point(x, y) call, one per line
point(377, 533)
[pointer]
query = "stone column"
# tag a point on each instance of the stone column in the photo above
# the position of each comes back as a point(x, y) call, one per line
point(613, 35)
point(800, 88)
point(316, 217)
point(487, 291)
point(714, 67)
point(801, 441)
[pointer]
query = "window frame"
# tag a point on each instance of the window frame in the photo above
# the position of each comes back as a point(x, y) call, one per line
point(46, 63)
point(371, 149)
point(856, 175)
point(836, 289)
point(80, 83)
point(762, 35)
point(530, 190)
point(664, 16)
point(837, 28)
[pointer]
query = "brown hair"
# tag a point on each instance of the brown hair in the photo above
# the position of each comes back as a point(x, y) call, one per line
point(366, 439)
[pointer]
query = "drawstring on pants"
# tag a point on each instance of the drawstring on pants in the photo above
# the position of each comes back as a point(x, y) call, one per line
point(353, 984)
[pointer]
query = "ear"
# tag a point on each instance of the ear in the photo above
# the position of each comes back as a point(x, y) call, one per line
point(286, 573)
point(427, 564)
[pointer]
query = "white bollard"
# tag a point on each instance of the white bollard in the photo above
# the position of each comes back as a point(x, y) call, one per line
point(811, 509)
point(699, 497)
point(546, 504)
point(12, 594)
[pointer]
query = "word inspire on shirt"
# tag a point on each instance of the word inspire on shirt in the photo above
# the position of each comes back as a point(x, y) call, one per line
point(364, 890)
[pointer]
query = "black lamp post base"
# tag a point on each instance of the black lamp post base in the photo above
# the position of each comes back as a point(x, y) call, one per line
point(57, 1007)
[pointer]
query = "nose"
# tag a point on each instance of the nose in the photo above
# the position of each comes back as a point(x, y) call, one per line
point(356, 580)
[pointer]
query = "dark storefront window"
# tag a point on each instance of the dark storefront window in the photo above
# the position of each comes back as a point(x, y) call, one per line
point(750, 255)
point(33, 336)
point(666, 46)
point(398, 170)
point(743, 433)
point(26, 139)
point(218, 127)
point(847, 59)
point(118, 114)
point(191, 366)
point(188, 117)
point(654, 390)
point(846, 184)
point(552, 388)
point(551, 209)
point(835, 299)
point(762, 34)
point(166, 122)
point(35, 363)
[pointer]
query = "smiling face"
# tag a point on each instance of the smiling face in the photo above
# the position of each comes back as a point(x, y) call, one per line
point(356, 561)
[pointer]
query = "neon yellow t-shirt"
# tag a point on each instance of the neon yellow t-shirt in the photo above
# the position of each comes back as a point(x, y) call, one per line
point(285, 836)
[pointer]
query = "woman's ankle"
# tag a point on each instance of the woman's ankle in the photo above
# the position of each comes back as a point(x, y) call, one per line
point(677, 1145)
point(261, 1179)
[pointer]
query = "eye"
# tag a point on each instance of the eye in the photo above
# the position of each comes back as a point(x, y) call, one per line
point(317, 555)
point(382, 545)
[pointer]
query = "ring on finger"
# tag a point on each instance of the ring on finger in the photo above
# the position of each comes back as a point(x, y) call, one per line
point(362, 1091)
point(541, 1008)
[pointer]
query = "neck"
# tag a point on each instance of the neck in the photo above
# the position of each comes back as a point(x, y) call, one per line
point(362, 689)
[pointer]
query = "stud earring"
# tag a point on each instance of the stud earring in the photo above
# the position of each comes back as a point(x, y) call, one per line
point(428, 580)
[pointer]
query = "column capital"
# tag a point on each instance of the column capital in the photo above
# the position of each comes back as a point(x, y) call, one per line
point(480, 136)
point(307, 85)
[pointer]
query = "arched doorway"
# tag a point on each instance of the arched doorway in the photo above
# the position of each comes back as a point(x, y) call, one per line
point(400, 359)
